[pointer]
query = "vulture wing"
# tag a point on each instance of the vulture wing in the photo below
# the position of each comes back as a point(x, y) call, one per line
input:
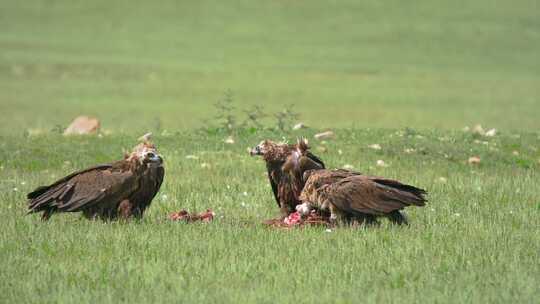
point(325, 177)
point(80, 190)
point(274, 184)
point(372, 195)
point(315, 159)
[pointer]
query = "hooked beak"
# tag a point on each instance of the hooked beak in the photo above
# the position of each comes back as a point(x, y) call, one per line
point(255, 151)
point(156, 159)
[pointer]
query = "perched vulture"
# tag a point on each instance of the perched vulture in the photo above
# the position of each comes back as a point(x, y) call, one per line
point(286, 188)
point(122, 189)
point(351, 196)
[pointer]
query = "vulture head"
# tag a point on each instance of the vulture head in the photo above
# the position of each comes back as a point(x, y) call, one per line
point(271, 151)
point(146, 154)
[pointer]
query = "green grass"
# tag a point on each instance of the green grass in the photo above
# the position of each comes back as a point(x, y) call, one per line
point(425, 64)
point(476, 241)
point(405, 75)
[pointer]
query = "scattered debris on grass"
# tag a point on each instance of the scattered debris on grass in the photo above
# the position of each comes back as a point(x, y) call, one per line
point(339, 152)
point(515, 153)
point(83, 125)
point(206, 166)
point(381, 163)
point(299, 126)
point(229, 140)
point(442, 180)
point(476, 141)
point(474, 160)
point(184, 215)
point(375, 147)
point(324, 135)
point(477, 129)
point(491, 133)
point(348, 167)
point(409, 150)
point(192, 157)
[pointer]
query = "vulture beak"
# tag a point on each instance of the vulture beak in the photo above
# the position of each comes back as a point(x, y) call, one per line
point(155, 159)
point(256, 151)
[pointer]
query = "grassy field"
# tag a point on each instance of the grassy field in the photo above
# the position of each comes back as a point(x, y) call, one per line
point(407, 76)
point(443, 64)
point(476, 241)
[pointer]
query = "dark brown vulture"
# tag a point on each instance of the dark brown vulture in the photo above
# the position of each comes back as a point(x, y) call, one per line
point(286, 188)
point(351, 196)
point(122, 189)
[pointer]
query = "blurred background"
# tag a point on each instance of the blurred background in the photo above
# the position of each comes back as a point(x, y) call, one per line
point(143, 65)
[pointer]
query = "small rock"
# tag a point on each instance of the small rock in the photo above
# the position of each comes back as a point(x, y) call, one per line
point(83, 125)
point(515, 153)
point(299, 126)
point(478, 130)
point(324, 135)
point(474, 160)
point(409, 150)
point(229, 140)
point(381, 163)
point(192, 157)
point(348, 167)
point(491, 133)
point(339, 152)
point(375, 147)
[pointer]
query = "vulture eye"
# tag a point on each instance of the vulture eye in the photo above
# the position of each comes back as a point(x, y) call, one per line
point(150, 155)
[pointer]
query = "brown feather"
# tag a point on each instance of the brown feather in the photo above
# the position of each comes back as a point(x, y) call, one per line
point(124, 188)
point(359, 195)
point(285, 187)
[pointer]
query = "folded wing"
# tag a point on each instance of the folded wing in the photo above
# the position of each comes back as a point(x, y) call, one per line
point(101, 186)
point(372, 195)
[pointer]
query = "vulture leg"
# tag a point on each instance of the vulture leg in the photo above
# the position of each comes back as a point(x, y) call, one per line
point(397, 218)
point(337, 217)
point(46, 214)
point(285, 210)
point(125, 209)
point(365, 220)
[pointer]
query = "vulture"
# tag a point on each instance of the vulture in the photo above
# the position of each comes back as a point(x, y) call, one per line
point(122, 189)
point(286, 188)
point(348, 195)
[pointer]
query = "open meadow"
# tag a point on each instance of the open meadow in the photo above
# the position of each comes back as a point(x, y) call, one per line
point(395, 81)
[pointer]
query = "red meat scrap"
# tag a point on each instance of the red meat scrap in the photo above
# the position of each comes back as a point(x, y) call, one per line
point(295, 219)
point(184, 215)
